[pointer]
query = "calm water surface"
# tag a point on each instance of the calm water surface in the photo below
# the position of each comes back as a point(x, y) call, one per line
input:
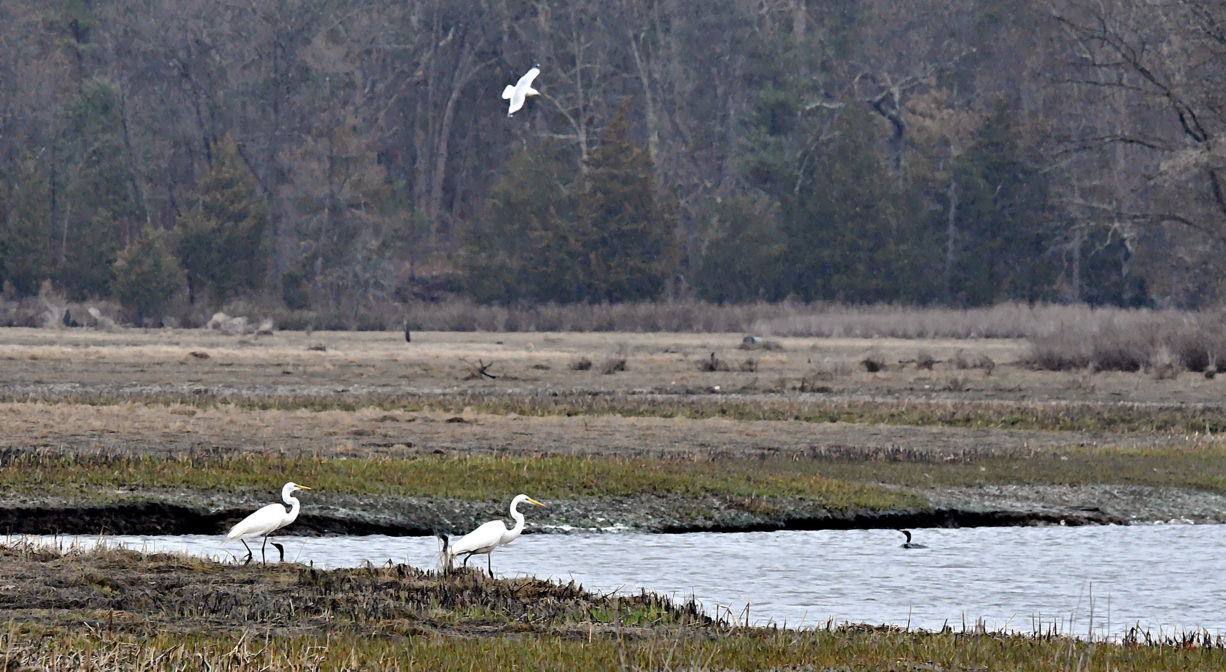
point(1100, 579)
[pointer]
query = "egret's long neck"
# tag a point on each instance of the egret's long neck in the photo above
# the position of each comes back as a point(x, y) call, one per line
point(293, 509)
point(519, 521)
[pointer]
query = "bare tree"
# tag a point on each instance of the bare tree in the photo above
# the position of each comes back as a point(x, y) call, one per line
point(1155, 75)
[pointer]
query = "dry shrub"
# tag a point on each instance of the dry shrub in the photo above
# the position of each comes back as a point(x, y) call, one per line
point(788, 318)
point(712, 363)
point(981, 361)
point(1007, 320)
point(873, 363)
point(1159, 341)
point(961, 362)
point(581, 364)
point(613, 365)
point(925, 360)
point(749, 366)
point(1165, 364)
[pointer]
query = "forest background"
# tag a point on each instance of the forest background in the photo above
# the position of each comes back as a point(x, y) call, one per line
point(348, 159)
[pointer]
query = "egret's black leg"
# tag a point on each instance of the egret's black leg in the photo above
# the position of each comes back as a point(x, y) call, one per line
point(262, 547)
point(249, 556)
point(281, 549)
point(489, 563)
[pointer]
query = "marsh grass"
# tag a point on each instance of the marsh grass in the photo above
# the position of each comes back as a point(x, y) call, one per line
point(1162, 342)
point(482, 477)
point(788, 318)
point(68, 603)
point(838, 480)
point(396, 648)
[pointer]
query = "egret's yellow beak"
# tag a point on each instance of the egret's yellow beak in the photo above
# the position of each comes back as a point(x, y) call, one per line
point(303, 487)
point(533, 501)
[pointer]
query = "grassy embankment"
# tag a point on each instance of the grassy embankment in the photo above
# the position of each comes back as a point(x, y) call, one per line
point(109, 610)
point(833, 481)
point(473, 478)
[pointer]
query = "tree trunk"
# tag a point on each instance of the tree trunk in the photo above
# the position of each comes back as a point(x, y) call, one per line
point(951, 238)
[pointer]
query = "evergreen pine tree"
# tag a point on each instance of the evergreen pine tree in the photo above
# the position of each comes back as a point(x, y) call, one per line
point(347, 231)
point(25, 228)
point(742, 245)
point(627, 240)
point(98, 206)
point(221, 240)
point(148, 276)
point(522, 245)
point(1001, 218)
point(847, 223)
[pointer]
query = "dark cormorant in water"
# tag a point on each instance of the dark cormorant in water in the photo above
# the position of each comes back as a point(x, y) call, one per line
point(907, 543)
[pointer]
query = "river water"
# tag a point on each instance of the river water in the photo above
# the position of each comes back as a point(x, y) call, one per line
point(1086, 581)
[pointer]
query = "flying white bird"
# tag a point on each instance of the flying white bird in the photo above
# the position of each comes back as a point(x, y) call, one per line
point(517, 92)
point(487, 537)
point(267, 520)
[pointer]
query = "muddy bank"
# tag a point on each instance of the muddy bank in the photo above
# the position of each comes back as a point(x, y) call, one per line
point(659, 514)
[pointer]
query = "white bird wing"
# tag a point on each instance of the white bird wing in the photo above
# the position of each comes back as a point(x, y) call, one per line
point(481, 540)
point(263, 521)
point(525, 82)
point(517, 101)
point(508, 92)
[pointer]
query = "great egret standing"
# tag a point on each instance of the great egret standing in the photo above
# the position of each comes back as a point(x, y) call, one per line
point(517, 92)
point(487, 537)
point(907, 543)
point(267, 520)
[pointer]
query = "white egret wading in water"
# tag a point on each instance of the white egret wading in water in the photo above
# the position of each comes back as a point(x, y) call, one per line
point(267, 520)
point(484, 539)
point(907, 543)
point(517, 92)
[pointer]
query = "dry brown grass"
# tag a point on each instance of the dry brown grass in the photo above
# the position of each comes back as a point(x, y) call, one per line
point(1162, 342)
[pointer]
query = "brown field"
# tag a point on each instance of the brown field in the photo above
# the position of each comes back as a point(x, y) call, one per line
point(174, 394)
point(51, 361)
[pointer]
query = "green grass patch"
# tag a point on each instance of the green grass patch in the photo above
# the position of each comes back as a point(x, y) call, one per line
point(1199, 468)
point(473, 478)
point(837, 482)
point(849, 649)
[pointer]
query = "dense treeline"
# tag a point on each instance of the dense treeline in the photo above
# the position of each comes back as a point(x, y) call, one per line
point(338, 155)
